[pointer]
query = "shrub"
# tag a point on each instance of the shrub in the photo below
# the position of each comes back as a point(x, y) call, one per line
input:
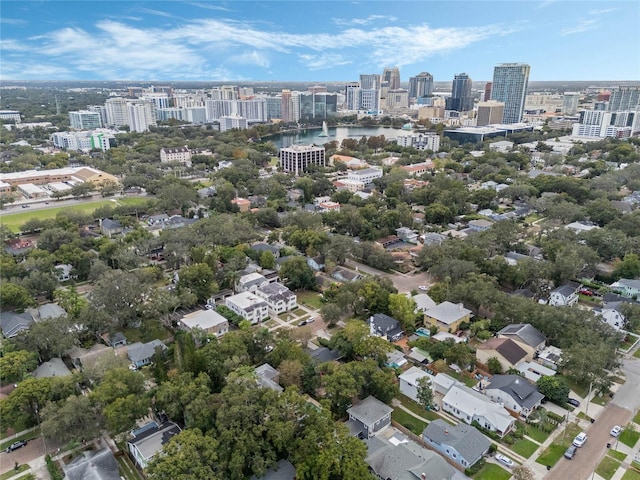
point(475, 468)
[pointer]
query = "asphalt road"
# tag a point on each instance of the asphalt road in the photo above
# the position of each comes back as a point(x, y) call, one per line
point(587, 457)
point(33, 449)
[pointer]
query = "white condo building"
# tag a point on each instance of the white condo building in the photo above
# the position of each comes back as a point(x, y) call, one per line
point(229, 122)
point(85, 120)
point(420, 141)
point(297, 158)
point(117, 112)
point(141, 115)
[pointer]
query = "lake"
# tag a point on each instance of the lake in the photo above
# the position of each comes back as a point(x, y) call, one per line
point(308, 136)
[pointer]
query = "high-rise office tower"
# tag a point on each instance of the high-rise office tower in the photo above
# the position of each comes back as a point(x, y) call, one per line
point(286, 106)
point(510, 82)
point(391, 75)
point(570, 103)
point(100, 110)
point(352, 96)
point(489, 113)
point(461, 99)
point(85, 120)
point(370, 81)
point(297, 158)
point(624, 98)
point(421, 85)
point(487, 91)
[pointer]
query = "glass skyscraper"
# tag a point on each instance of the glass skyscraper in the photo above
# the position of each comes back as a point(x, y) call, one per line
point(461, 99)
point(421, 85)
point(510, 81)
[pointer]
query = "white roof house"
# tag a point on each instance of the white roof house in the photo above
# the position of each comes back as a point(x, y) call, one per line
point(249, 306)
point(208, 321)
point(468, 405)
point(409, 382)
point(442, 383)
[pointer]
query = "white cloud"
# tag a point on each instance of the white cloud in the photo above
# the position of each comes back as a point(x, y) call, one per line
point(13, 21)
point(601, 11)
point(198, 48)
point(345, 22)
point(582, 26)
point(323, 61)
point(208, 6)
point(158, 13)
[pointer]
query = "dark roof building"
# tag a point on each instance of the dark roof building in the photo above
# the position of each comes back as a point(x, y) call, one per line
point(462, 443)
point(13, 323)
point(381, 325)
point(93, 465)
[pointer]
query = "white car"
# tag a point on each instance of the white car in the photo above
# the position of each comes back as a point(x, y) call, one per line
point(506, 461)
point(580, 439)
point(615, 431)
point(423, 288)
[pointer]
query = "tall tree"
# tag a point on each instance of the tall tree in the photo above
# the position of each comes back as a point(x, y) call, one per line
point(187, 456)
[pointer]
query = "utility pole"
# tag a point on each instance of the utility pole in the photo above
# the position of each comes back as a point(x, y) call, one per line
point(586, 410)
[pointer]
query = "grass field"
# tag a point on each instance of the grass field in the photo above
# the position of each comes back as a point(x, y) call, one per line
point(538, 435)
point(311, 299)
point(631, 474)
point(491, 471)
point(524, 447)
point(15, 220)
point(554, 452)
point(629, 437)
point(408, 421)
point(607, 467)
point(617, 455)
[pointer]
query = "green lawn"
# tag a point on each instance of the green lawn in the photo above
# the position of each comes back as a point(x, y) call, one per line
point(417, 408)
point(631, 474)
point(629, 438)
point(310, 299)
point(600, 400)
point(12, 472)
point(408, 421)
point(607, 467)
point(581, 390)
point(491, 471)
point(636, 419)
point(637, 353)
point(15, 220)
point(524, 447)
point(150, 330)
point(538, 435)
point(554, 451)
point(617, 455)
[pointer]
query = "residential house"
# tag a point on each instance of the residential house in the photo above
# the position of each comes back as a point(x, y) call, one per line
point(316, 263)
point(18, 246)
point(565, 295)
point(525, 335)
point(508, 352)
point(345, 275)
point(251, 282)
point(444, 336)
point(447, 316)
point(533, 371)
point(550, 357)
point(207, 321)
point(242, 203)
point(514, 393)
point(395, 359)
point(480, 225)
point(268, 377)
point(249, 306)
point(581, 227)
point(63, 272)
point(141, 354)
point(157, 219)
point(462, 443)
point(418, 169)
point(93, 465)
point(262, 247)
point(369, 417)
point(612, 314)
point(324, 354)
point(417, 355)
point(470, 406)
point(110, 227)
point(49, 311)
point(407, 235)
point(82, 358)
point(13, 323)
point(432, 238)
point(115, 340)
point(423, 302)
point(278, 297)
point(409, 382)
point(442, 383)
point(381, 325)
point(284, 470)
point(53, 368)
point(627, 287)
point(395, 456)
point(149, 440)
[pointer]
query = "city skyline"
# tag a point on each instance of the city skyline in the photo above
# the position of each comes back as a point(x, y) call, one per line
point(316, 41)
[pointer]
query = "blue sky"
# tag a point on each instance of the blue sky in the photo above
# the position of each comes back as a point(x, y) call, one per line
point(316, 41)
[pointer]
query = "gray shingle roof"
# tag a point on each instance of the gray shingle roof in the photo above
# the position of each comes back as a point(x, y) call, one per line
point(524, 332)
point(447, 312)
point(370, 410)
point(13, 323)
point(519, 388)
point(506, 347)
point(141, 351)
point(467, 440)
point(93, 465)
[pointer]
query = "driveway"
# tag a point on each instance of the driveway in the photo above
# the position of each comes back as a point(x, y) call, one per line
point(588, 456)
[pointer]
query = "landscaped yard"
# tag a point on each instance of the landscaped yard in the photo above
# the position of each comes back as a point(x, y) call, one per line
point(607, 467)
point(629, 437)
point(631, 474)
point(150, 330)
point(636, 419)
point(537, 434)
point(554, 451)
point(311, 299)
point(617, 455)
point(600, 400)
point(417, 408)
point(15, 220)
point(524, 447)
point(491, 471)
point(408, 421)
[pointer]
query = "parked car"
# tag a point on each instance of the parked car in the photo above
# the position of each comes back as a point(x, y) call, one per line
point(26, 206)
point(587, 292)
point(423, 288)
point(16, 445)
point(311, 319)
point(506, 461)
point(302, 323)
point(571, 451)
point(574, 402)
point(615, 431)
point(580, 439)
